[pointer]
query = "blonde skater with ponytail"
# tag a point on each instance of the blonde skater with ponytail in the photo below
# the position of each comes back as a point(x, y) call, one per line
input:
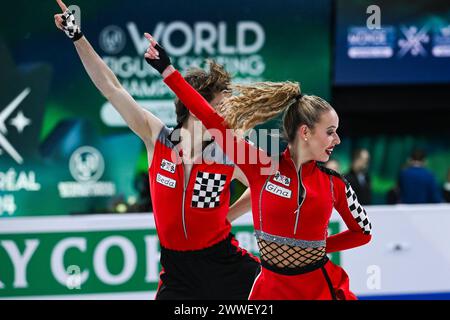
point(292, 194)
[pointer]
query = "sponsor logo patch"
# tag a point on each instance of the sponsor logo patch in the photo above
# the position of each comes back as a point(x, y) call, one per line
point(171, 183)
point(282, 179)
point(168, 166)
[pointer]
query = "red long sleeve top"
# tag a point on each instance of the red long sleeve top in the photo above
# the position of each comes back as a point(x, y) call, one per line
point(288, 206)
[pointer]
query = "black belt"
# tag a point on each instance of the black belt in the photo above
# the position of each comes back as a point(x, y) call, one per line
point(219, 247)
point(295, 270)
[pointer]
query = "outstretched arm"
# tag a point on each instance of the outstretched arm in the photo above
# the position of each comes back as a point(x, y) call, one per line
point(251, 160)
point(141, 121)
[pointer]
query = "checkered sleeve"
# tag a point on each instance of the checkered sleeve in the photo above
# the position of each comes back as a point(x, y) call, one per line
point(354, 215)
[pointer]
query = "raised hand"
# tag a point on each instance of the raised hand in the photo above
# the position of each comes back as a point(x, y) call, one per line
point(66, 21)
point(155, 55)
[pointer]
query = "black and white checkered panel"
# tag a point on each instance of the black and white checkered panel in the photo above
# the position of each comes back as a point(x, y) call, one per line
point(70, 26)
point(207, 189)
point(358, 212)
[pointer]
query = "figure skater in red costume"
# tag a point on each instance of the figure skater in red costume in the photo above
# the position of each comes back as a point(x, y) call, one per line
point(189, 184)
point(292, 204)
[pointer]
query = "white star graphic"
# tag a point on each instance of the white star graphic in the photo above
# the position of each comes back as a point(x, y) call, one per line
point(20, 122)
point(446, 31)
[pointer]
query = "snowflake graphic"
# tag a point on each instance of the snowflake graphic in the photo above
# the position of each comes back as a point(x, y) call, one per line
point(446, 31)
point(414, 41)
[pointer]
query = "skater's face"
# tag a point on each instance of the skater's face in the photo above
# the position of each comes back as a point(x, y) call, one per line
point(323, 137)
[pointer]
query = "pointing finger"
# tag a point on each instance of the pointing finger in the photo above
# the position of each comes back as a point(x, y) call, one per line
point(62, 5)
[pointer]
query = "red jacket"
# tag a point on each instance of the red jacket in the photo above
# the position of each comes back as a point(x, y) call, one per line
point(288, 206)
point(189, 215)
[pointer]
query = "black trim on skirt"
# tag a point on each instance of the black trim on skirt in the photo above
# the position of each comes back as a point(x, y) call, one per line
point(330, 284)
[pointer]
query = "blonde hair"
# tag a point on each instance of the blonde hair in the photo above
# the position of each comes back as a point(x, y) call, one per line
point(307, 110)
point(259, 102)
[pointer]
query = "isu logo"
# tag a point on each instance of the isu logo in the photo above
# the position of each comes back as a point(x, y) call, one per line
point(87, 167)
point(166, 181)
point(277, 190)
point(86, 164)
point(112, 39)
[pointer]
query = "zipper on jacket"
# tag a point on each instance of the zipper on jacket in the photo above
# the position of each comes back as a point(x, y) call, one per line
point(183, 217)
point(260, 202)
point(299, 204)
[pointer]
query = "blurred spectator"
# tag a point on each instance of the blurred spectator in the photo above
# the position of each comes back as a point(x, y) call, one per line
point(417, 184)
point(142, 185)
point(141, 203)
point(393, 195)
point(333, 165)
point(359, 178)
point(446, 188)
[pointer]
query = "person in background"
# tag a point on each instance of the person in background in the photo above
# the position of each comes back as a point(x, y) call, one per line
point(417, 183)
point(358, 176)
point(142, 186)
point(446, 188)
point(393, 195)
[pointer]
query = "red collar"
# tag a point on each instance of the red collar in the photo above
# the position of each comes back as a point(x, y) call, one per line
point(307, 167)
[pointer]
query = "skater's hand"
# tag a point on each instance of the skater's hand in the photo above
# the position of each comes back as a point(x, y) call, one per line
point(66, 22)
point(156, 56)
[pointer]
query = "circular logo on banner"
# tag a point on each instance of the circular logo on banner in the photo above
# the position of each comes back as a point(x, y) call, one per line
point(112, 39)
point(86, 164)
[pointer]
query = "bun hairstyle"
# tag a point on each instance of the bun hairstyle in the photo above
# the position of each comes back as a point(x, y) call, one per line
point(305, 110)
point(256, 103)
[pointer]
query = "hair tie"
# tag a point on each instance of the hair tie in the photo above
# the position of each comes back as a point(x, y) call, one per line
point(298, 97)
